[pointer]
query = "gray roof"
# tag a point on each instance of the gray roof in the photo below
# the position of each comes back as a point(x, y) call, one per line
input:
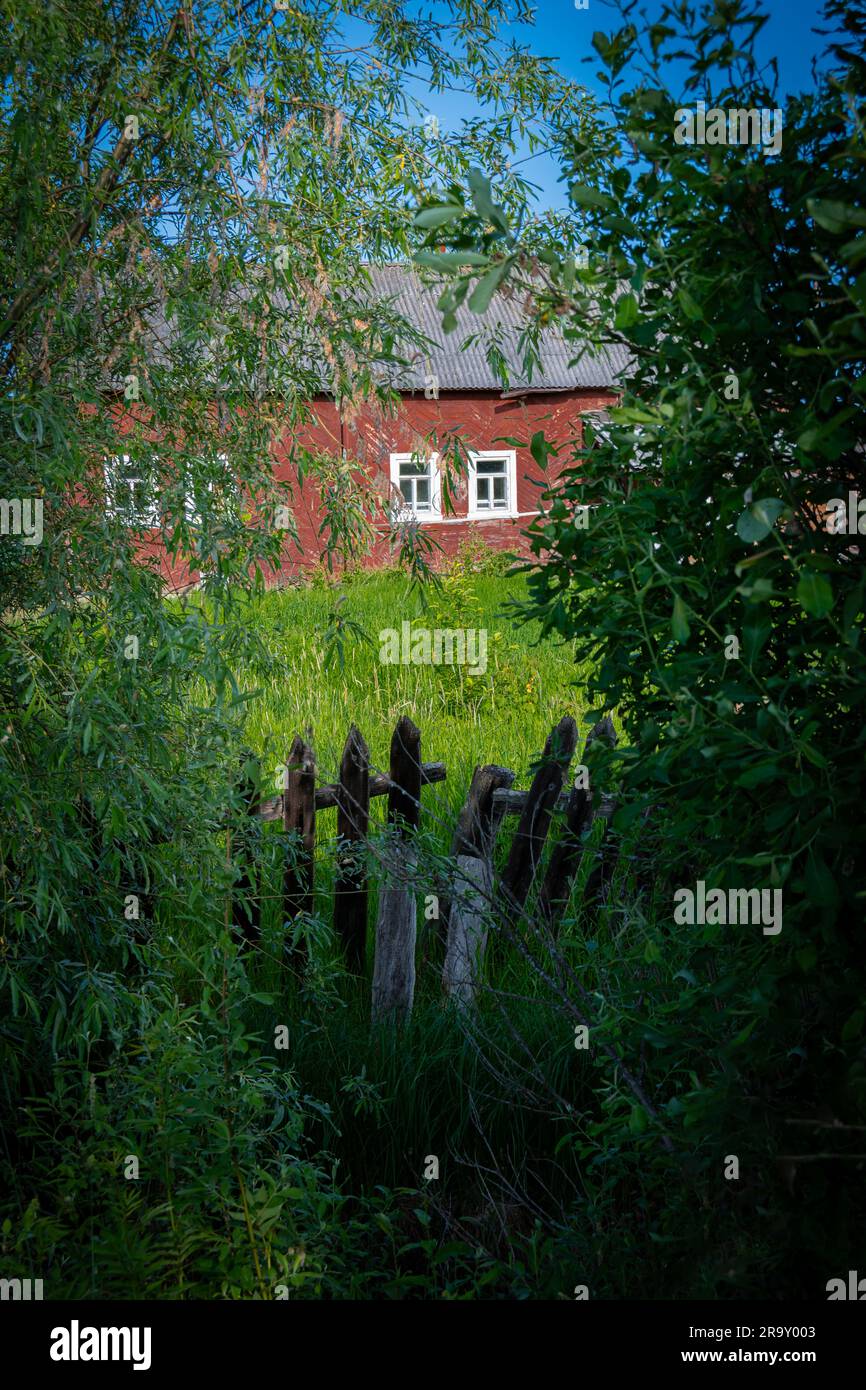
point(459, 367)
point(459, 361)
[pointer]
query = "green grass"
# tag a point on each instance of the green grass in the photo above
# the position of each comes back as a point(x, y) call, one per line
point(389, 1099)
point(502, 717)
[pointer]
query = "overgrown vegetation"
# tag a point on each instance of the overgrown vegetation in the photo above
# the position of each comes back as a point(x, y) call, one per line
point(693, 554)
point(155, 1142)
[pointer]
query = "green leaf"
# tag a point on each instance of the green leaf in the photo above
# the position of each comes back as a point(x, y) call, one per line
point(758, 773)
point(538, 449)
point(691, 308)
point(646, 145)
point(744, 1034)
point(601, 43)
point(437, 216)
point(758, 520)
point(479, 300)
point(814, 757)
point(679, 620)
point(835, 217)
point(483, 200)
point(853, 1026)
point(634, 415)
point(815, 594)
point(637, 1120)
point(819, 882)
point(626, 311)
point(586, 197)
point(450, 260)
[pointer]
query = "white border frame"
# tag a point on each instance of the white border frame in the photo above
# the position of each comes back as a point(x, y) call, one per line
point(435, 512)
point(491, 513)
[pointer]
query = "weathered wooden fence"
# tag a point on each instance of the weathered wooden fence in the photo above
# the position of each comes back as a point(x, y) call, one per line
point(474, 897)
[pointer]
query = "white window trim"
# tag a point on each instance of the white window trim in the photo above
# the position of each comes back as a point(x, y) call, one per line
point(491, 513)
point(435, 512)
point(147, 518)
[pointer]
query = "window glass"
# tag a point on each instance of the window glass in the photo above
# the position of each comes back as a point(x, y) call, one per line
point(491, 484)
point(415, 483)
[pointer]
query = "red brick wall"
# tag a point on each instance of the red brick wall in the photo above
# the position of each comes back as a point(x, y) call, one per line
point(482, 419)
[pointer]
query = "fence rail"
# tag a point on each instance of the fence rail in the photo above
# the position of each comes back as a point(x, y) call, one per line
point(327, 796)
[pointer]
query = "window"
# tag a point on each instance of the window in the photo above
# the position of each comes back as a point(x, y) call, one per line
point(214, 491)
point(493, 484)
point(129, 493)
point(416, 479)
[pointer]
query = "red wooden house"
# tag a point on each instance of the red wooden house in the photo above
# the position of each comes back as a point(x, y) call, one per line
point(451, 389)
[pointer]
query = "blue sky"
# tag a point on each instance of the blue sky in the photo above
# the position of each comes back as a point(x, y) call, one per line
point(564, 33)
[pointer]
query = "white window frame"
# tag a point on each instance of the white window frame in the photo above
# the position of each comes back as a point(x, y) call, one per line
point(399, 501)
point(146, 518)
point(193, 515)
point(491, 513)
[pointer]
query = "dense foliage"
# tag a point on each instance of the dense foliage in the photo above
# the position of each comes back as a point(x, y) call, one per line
point(187, 191)
point(698, 554)
point(203, 257)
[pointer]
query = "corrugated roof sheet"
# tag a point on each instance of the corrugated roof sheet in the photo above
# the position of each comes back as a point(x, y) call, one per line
point(459, 367)
point(458, 360)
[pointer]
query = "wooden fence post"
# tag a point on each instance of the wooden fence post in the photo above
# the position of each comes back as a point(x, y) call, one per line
point(299, 822)
point(565, 858)
point(353, 815)
point(567, 852)
point(476, 826)
point(396, 923)
point(246, 902)
point(528, 842)
point(469, 907)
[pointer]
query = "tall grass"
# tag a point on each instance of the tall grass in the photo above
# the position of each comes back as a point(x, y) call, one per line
point(385, 1099)
point(503, 716)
